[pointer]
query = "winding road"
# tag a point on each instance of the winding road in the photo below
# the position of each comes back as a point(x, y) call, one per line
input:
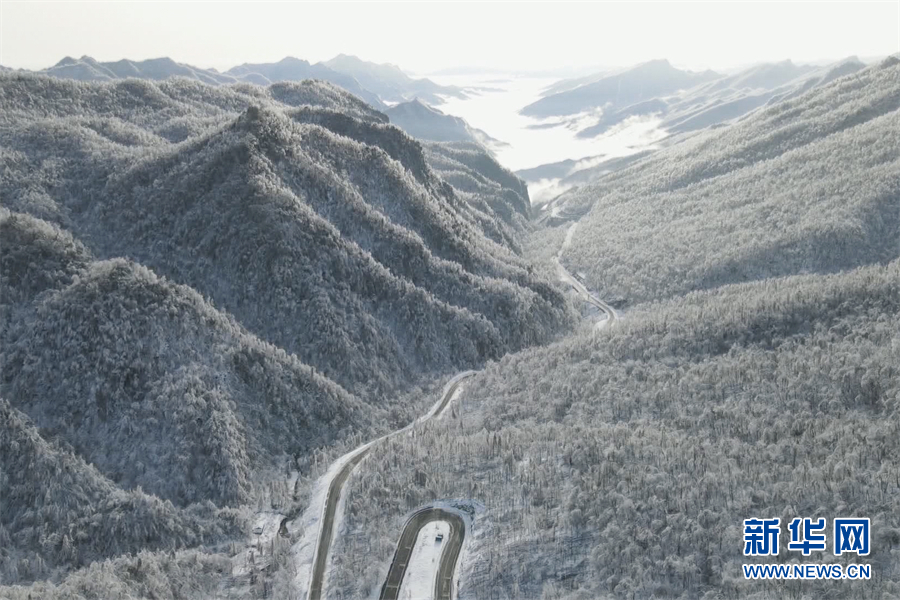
point(453, 545)
point(443, 583)
point(336, 486)
point(611, 314)
point(577, 285)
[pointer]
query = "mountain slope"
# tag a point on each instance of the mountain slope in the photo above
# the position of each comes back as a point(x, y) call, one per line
point(643, 82)
point(59, 512)
point(298, 231)
point(808, 185)
point(427, 123)
point(207, 287)
point(389, 82)
point(156, 107)
point(132, 370)
point(732, 97)
point(621, 463)
point(499, 200)
point(708, 100)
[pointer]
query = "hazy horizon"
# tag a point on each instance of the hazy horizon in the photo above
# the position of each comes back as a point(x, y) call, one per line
point(561, 321)
point(501, 37)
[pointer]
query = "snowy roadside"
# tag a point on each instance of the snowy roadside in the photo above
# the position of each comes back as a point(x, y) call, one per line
point(308, 526)
point(434, 411)
point(265, 525)
point(610, 314)
point(418, 583)
point(251, 556)
point(472, 513)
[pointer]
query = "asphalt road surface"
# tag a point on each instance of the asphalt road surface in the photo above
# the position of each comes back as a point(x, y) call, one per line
point(327, 531)
point(577, 285)
point(333, 497)
point(443, 583)
point(611, 314)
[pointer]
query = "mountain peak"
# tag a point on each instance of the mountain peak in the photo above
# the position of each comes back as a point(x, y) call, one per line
point(66, 61)
point(890, 61)
point(345, 58)
point(655, 66)
point(162, 60)
point(269, 127)
point(292, 60)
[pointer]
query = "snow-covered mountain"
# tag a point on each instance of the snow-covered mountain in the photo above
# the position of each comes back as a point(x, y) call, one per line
point(374, 83)
point(203, 284)
point(425, 122)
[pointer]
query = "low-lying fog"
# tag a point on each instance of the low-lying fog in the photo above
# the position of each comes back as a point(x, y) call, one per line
point(494, 108)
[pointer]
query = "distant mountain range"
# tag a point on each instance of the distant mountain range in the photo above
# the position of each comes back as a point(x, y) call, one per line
point(389, 82)
point(714, 102)
point(685, 101)
point(641, 83)
point(428, 123)
point(805, 185)
point(731, 97)
point(377, 84)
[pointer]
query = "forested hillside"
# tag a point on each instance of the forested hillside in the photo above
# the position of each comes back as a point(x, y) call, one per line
point(809, 185)
point(371, 82)
point(205, 285)
point(498, 199)
point(328, 236)
point(144, 401)
point(60, 513)
point(427, 123)
point(621, 463)
point(754, 373)
point(150, 383)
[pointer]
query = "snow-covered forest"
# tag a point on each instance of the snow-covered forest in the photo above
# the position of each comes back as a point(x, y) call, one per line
point(204, 286)
point(213, 294)
point(621, 462)
point(809, 185)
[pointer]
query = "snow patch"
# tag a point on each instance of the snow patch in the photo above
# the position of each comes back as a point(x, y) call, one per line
point(308, 526)
point(267, 524)
point(418, 582)
point(309, 523)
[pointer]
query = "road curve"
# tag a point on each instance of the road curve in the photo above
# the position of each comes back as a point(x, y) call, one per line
point(577, 285)
point(336, 486)
point(443, 583)
point(611, 314)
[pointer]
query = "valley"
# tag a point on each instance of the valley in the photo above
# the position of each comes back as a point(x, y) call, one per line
point(315, 330)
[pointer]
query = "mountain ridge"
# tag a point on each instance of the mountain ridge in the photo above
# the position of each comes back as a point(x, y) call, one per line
point(372, 82)
point(641, 82)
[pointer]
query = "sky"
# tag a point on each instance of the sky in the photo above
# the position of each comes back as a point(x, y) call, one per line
point(427, 37)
